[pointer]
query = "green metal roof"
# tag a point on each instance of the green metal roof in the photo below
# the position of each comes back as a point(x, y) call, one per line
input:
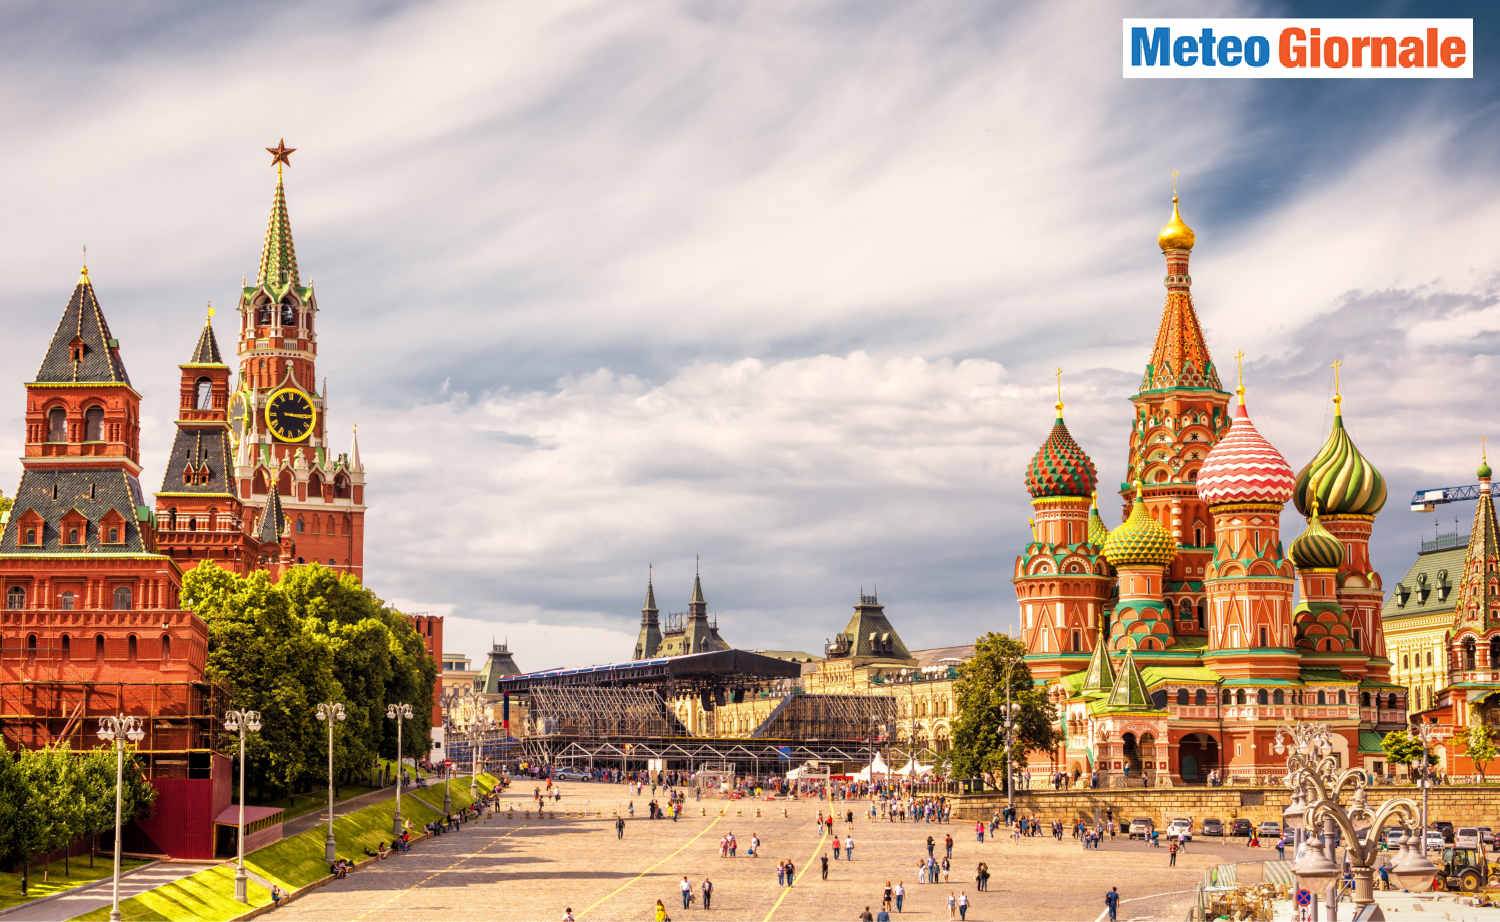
point(1231, 683)
point(1322, 674)
point(1369, 742)
point(1156, 675)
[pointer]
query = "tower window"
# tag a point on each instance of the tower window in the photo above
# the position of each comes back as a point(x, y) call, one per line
point(1356, 638)
point(1077, 635)
point(1263, 639)
point(67, 648)
point(31, 536)
point(65, 601)
point(93, 424)
point(123, 598)
point(99, 646)
point(1200, 698)
point(288, 314)
point(73, 536)
point(1203, 615)
point(166, 648)
point(30, 647)
point(300, 527)
point(15, 598)
point(1279, 697)
point(1261, 697)
point(57, 425)
point(131, 648)
point(263, 315)
point(1322, 697)
point(205, 395)
point(1182, 697)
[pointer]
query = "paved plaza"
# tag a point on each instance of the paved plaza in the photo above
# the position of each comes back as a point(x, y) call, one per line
point(525, 868)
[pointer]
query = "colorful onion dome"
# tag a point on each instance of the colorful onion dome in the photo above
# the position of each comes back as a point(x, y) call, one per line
point(1244, 467)
point(1176, 235)
point(1316, 548)
point(1098, 531)
point(1343, 482)
point(1140, 540)
point(1060, 467)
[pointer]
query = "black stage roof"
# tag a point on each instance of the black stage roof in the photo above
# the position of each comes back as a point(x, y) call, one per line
point(722, 666)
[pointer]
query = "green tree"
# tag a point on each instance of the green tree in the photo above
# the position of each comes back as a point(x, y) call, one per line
point(56, 796)
point(97, 777)
point(1401, 748)
point(979, 693)
point(18, 816)
point(5, 502)
point(1479, 741)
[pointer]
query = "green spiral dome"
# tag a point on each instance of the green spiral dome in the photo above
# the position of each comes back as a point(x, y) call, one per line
point(1316, 548)
point(1346, 483)
point(1140, 541)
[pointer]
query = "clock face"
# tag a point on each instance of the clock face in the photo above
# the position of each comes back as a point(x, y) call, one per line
point(290, 415)
point(239, 416)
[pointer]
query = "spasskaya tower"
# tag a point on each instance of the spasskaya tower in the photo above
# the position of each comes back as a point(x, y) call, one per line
point(298, 499)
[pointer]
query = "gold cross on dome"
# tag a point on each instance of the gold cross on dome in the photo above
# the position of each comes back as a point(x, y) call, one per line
point(1239, 368)
point(210, 310)
point(1174, 184)
point(1058, 375)
point(1338, 396)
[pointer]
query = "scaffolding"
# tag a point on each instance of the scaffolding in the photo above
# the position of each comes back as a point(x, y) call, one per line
point(829, 717)
point(600, 712)
point(755, 757)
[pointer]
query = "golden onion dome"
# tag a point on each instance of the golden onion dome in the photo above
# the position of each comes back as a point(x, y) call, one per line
point(1176, 235)
point(1140, 540)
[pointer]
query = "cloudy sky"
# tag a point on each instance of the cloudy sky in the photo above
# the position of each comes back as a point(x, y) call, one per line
point(780, 284)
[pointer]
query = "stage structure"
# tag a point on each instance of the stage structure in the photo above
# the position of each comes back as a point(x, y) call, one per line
point(671, 712)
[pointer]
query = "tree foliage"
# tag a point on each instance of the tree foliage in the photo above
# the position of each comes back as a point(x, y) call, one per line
point(314, 636)
point(979, 692)
point(1479, 742)
point(97, 780)
point(1401, 748)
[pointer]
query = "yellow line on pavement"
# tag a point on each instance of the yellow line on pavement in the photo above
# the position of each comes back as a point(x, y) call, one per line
point(397, 895)
point(806, 866)
point(653, 867)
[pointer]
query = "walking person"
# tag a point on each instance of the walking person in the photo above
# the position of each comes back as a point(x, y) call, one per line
point(948, 844)
point(620, 827)
point(849, 848)
point(1172, 854)
point(963, 904)
point(885, 899)
point(1112, 902)
point(930, 844)
point(790, 873)
point(781, 873)
point(824, 859)
point(900, 894)
point(836, 846)
point(708, 893)
point(952, 905)
point(687, 892)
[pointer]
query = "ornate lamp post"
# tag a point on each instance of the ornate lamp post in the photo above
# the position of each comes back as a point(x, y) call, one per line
point(1009, 724)
point(466, 713)
point(329, 712)
point(1424, 731)
point(398, 713)
point(242, 722)
point(1316, 783)
point(118, 730)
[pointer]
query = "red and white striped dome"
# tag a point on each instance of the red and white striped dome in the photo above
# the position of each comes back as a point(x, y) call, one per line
point(1245, 468)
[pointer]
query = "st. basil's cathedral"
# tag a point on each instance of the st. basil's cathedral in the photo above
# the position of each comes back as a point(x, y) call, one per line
point(91, 570)
point(1173, 645)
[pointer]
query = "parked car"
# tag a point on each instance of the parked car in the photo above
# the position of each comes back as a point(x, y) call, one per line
point(1446, 828)
point(1487, 835)
point(1393, 836)
point(1213, 827)
point(1240, 827)
point(1141, 828)
point(1181, 828)
point(1434, 839)
point(1270, 829)
point(569, 774)
point(1466, 837)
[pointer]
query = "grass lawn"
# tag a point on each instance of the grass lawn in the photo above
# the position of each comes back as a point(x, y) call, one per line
point(10, 884)
point(292, 863)
point(207, 895)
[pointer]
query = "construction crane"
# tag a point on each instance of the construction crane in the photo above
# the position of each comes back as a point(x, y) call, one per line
point(1427, 500)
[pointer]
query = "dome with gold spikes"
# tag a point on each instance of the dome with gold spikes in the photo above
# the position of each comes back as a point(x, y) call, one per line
point(1140, 541)
point(1340, 478)
point(1176, 235)
point(1317, 548)
point(1098, 531)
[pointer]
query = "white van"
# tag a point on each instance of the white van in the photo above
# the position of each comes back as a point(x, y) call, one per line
point(1467, 837)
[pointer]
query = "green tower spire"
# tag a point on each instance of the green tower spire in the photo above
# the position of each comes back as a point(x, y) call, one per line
point(278, 258)
point(1129, 693)
point(1101, 675)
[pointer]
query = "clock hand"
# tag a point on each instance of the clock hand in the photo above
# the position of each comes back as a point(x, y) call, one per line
point(294, 415)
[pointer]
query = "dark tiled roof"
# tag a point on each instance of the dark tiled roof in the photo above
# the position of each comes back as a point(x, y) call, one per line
point(1422, 591)
point(194, 451)
point(93, 492)
point(83, 320)
point(207, 350)
point(272, 520)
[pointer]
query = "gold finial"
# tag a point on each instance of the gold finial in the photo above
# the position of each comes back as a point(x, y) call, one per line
point(210, 314)
point(356, 428)
point(1317, 485)
point(1484, 454)
point(1059, 404)
point(83, 274)
point(1174, 185)
point(1338, 396)
point(1239, 367)
point(1139, 489)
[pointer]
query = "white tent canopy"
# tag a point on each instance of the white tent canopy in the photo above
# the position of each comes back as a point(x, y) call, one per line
point(913, 768)
point(877, 766)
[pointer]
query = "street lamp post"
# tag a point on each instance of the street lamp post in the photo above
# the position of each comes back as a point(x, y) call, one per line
point(118, 730)
point(330, 711)
point(1316, 784)
point(1423, 730)
point(398, 713)
point(1009, 725)
point(243, 722)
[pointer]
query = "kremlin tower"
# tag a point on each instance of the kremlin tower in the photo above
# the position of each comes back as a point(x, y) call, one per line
point(1192, 596)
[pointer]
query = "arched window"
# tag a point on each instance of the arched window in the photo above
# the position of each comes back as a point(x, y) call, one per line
point(1239, 696)
point(1468, 653)
point(1364, 699)
point(301, 529)
point(99, 646)
point(263, 315)
point(131, 648)
point(288, 314)
point(1182, 697)
point(284, 483)
point(1203, 615)
point(1200, 698)
point(341, 487)
point(65, 601)
point(1322, 697)
point(1185, 610)
point(15, 598)
point(30, 647)
point(166, 648)
point(1261, 697)
point(1343, 697)
point(67, 648)
point(1405, 661)
point(1390, 701)
point(1198, 535)
point(93, 424)
point(1227, 696)
point(1278, 697)
point(122, 598)
point(204, 399)
point(57, 425)
point(1495, 652)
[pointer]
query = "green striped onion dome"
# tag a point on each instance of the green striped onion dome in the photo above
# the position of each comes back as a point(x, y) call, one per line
point(1140, 541)
point(1484, 469)
point(1098, 531)
point(1346, 483)
point(1060, 467)
point(1316, 548)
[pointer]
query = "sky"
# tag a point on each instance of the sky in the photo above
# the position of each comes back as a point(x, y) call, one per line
point(777, 285)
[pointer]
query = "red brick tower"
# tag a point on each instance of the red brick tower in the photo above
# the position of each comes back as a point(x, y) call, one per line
point(278, 416)
point(199, 516)
point(1179, 416)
